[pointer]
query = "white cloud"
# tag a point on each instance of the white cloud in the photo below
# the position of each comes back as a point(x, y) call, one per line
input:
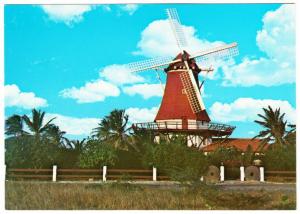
point(119, 74)
point(154, 43)
point(68, 14)
point(73, 125)
point(106, 7)
point(139, 115)
point(277, 37)
point(145, 90)
point(27, 100)
point(94, 91)
point(246, 109)
point(129, 8)
point(251, 133)
point(277, 40)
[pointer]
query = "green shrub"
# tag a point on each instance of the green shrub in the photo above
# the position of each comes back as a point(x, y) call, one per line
point(24, 152)
point(128, 160)
point(97, 154)
point(178, 161)
point(280, 158)
point(228, 156)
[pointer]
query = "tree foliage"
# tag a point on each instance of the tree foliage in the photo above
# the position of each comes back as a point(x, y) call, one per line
point(97, 154)
point(274, 127)
point(14, 126)
point(178, 161)
point(113, 129)
point(25, 153)
point(113, 143)
point(36, 124)
point(280, 158)
point(228, 156)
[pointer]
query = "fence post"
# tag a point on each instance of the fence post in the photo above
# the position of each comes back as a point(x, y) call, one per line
point(104, 172)
point(54, 173)
point(262, 174)
point(154, 174)
point(242, 172)
point(222, 173)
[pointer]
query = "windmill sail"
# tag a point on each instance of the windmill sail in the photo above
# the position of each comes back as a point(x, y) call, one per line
point(176, 27)
point(192, 91)
point(149, 64)
point(208, 57)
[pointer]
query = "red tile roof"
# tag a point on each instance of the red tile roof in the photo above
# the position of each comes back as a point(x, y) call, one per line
point(239, 143)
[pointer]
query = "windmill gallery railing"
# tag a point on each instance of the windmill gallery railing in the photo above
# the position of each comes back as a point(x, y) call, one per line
point(191, 126)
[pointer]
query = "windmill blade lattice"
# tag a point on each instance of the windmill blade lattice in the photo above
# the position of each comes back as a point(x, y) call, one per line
point(192, 92)
point(149, 64)
point(176, 27)
point(208, 57)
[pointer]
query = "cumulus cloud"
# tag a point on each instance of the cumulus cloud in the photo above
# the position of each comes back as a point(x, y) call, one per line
point(139, 115)
point(73, 125)
point(94, 91)
point(277, 37)
point(145, 90)
point(119, 75)
point(27, 100)
point(154, 43)
point(277, 40)
point(68, 14)
point(246, 110)
point(129, 8)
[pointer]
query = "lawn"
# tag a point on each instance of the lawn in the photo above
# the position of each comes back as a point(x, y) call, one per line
point(39, 195)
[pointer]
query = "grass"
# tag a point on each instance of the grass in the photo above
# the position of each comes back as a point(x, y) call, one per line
point(38, 195)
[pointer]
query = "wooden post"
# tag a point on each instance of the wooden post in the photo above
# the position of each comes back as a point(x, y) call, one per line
point(154, 174)
point(54, 173)
point(222, 177)
point(104, 172)
point(242, 172)
point(262, 174)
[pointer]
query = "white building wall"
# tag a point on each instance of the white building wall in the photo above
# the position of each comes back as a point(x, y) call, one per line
point(192, 140)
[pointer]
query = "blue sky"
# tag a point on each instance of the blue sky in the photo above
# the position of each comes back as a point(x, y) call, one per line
point(68, 60)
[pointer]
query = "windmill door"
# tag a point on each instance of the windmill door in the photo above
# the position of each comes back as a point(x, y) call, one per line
point(184, 123)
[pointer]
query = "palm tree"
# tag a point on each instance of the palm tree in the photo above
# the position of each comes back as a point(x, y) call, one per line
point(112, 129)
point(14, 126)
point(275, 127)
point(36, 124)
point(291, 134)
point(56, 135)
point(77, 145)
point(292, 127)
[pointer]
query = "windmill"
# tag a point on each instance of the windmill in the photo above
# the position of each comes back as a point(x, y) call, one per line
point(182, 109)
